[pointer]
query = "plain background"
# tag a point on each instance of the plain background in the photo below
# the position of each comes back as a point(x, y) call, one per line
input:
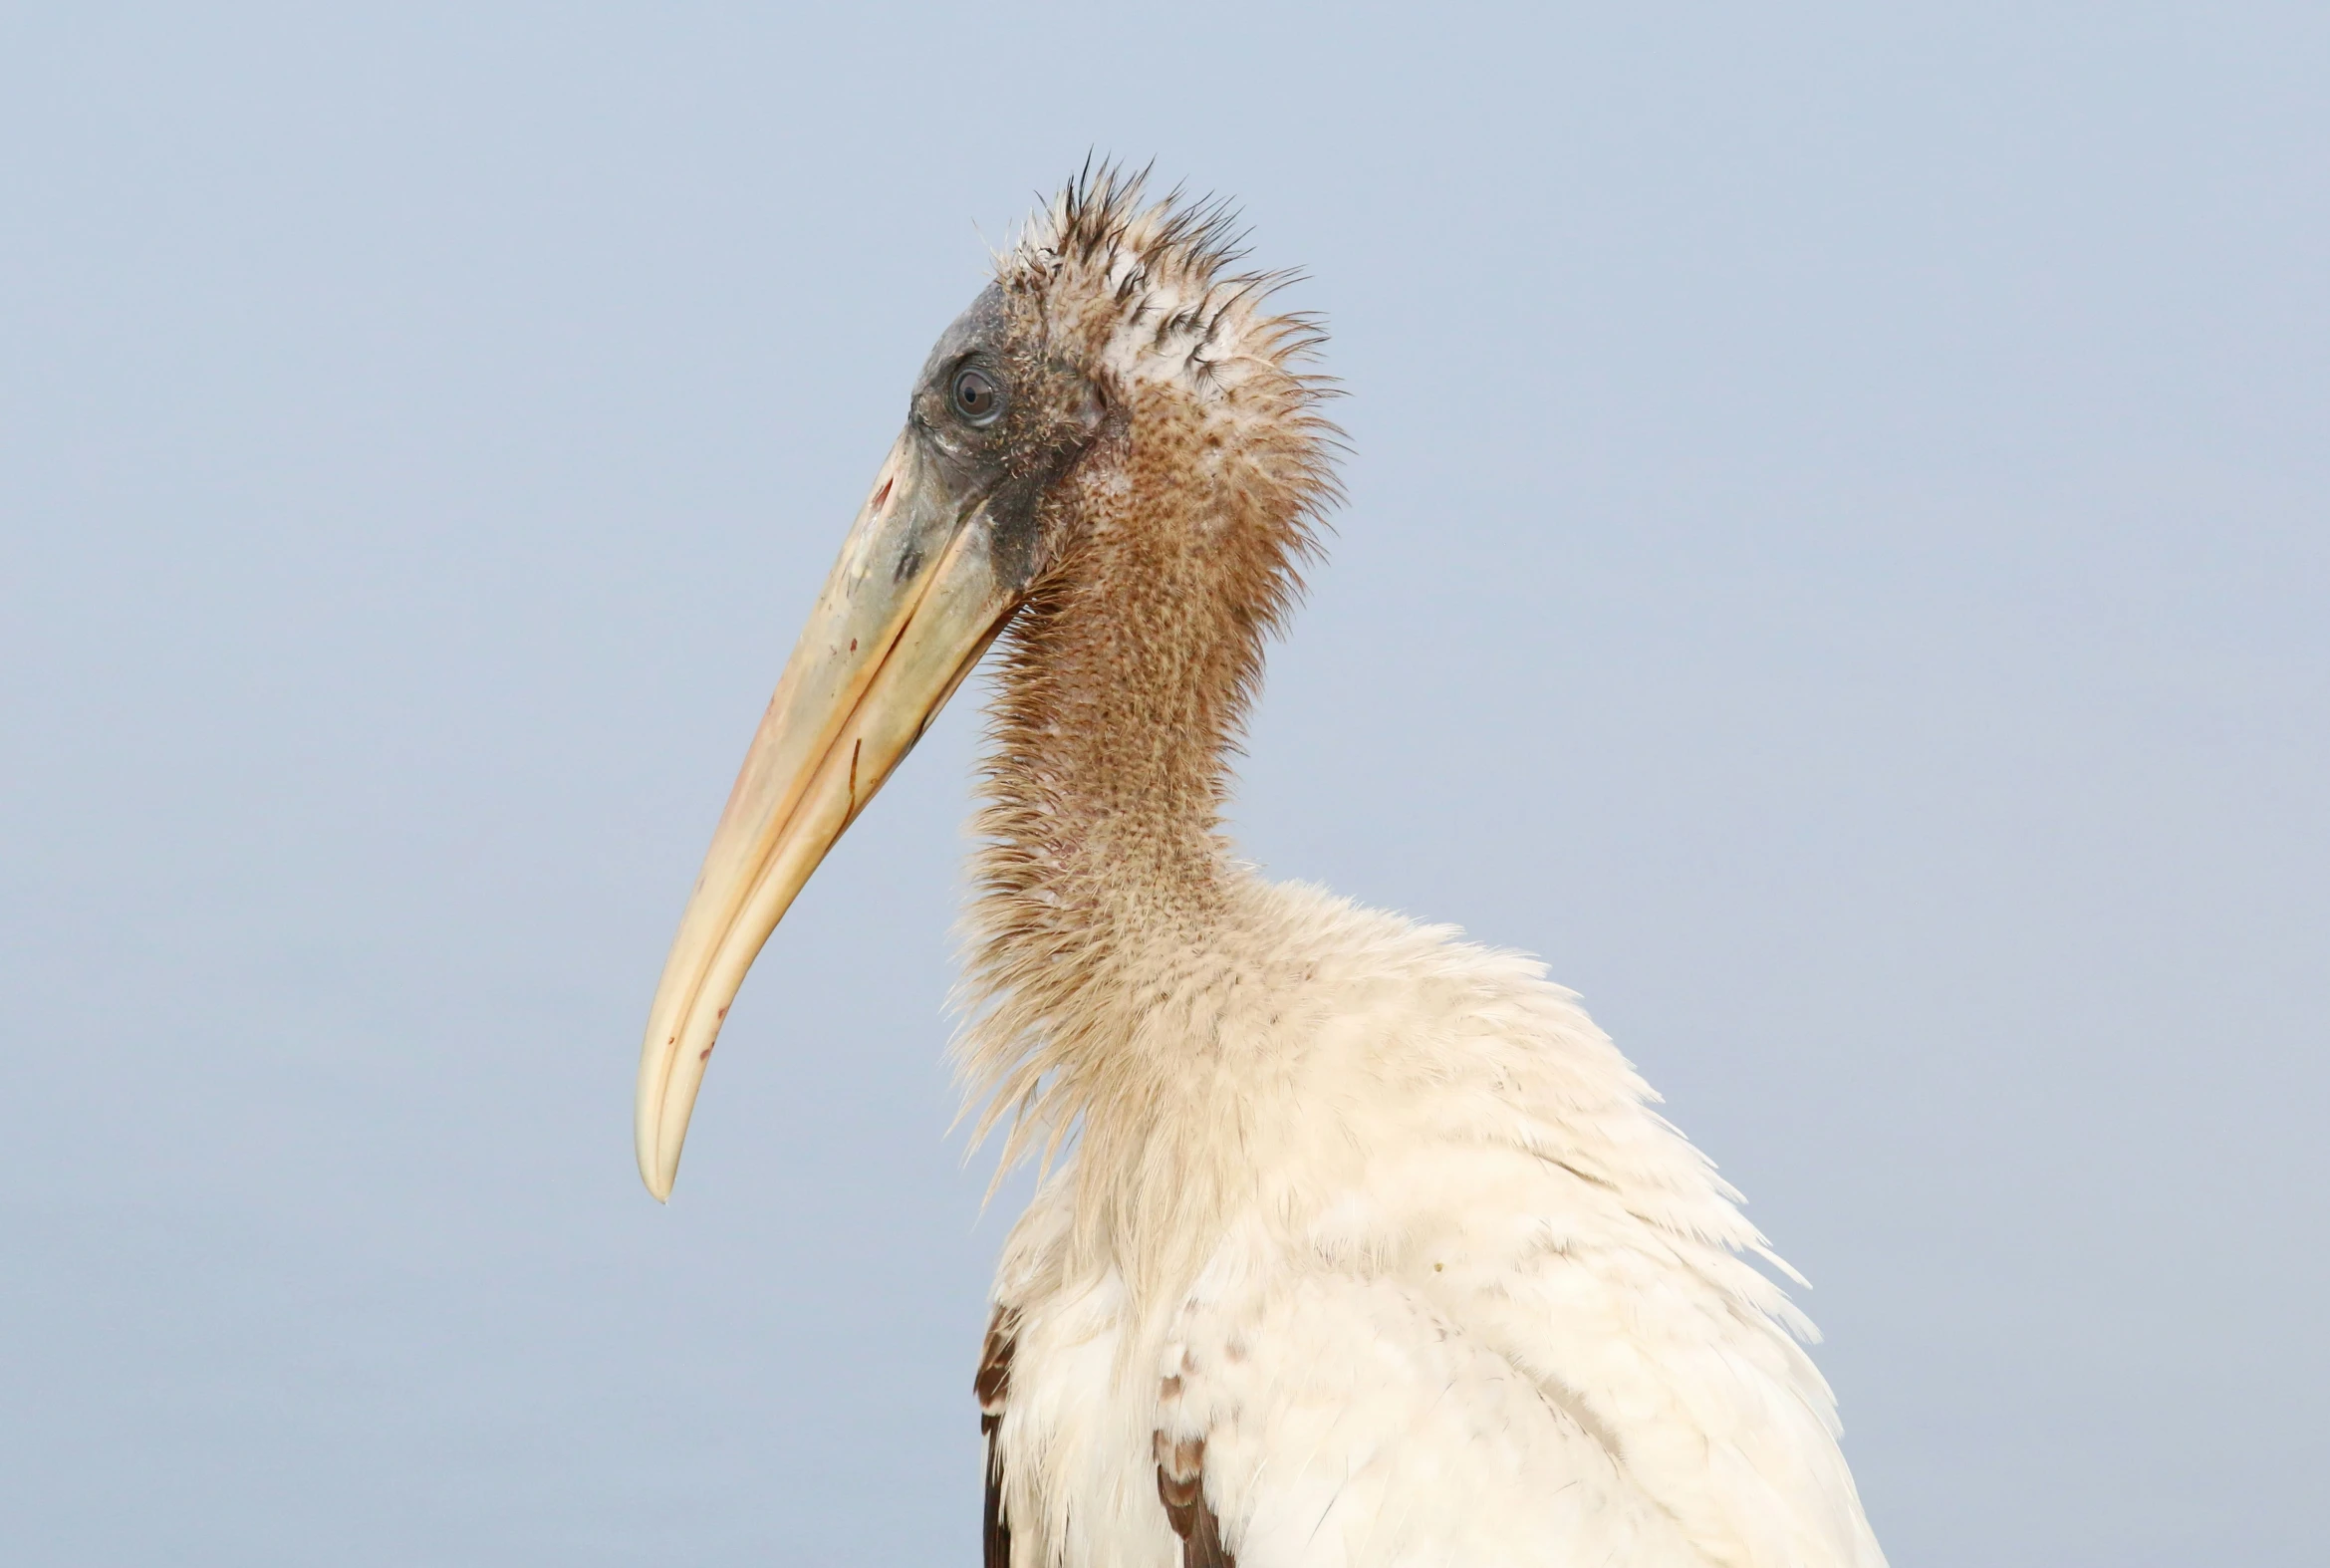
point(1837, 558)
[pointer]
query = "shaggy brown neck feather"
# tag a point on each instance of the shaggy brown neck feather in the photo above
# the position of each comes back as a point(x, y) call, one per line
point(1103, 873)
point(1124, 682)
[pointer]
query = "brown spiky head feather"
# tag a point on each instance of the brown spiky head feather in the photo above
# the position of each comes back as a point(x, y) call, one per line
point(1121, 333)
point(1161, 415)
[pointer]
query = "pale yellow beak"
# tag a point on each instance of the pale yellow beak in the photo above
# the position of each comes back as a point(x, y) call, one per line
point(910, 606)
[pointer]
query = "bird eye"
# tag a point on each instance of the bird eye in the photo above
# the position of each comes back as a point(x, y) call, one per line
point(978, 397)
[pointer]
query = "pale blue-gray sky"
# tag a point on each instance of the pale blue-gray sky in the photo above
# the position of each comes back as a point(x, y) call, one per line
point(1837, 561)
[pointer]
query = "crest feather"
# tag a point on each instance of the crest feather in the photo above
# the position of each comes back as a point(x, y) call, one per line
point(1159, 285)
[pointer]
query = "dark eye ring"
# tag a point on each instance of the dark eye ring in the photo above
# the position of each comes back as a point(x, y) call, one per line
point(977, 395)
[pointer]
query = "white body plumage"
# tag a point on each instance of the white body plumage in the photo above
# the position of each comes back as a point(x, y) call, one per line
point(1391, 1228)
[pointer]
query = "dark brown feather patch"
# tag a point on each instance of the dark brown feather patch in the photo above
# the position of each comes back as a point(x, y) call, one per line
point(1180, 1486)
point(993, 1386)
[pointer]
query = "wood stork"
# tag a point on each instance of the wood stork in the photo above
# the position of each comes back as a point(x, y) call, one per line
point(1367, 1248)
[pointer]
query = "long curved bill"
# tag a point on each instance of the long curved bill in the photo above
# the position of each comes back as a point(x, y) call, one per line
point(908, 608)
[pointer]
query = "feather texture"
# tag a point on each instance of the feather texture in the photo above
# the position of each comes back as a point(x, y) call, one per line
point(1463, 1296)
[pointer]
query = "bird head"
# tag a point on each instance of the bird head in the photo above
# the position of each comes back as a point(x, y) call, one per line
point(1115, 379)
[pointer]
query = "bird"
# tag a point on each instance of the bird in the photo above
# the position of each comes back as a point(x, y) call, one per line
point(1355, 1242)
